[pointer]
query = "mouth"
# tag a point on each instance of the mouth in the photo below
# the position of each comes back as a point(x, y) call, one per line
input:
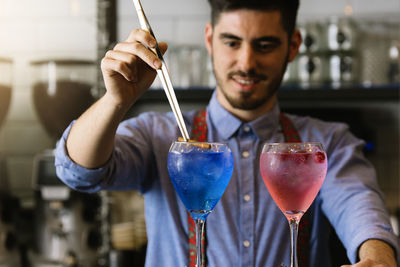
point(246, 81)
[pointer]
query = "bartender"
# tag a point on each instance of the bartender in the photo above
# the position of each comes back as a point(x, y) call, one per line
point(250, 43)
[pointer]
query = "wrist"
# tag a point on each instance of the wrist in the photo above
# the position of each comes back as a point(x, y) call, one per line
point(378, 251)
point(116, 104)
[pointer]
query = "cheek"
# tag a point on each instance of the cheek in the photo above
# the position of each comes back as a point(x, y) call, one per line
point(223, 61)
point(274, 62)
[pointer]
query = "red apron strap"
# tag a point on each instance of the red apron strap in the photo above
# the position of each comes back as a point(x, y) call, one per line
point(289, 131)
point(199, 133)
point(199, 130)
point(292, 136)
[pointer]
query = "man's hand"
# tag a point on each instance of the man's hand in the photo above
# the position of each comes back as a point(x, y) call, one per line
point(129, 69)
point(367, 263)
point(375, 253)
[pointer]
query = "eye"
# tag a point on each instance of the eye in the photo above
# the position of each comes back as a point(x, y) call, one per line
point(232, 43)
point(265, 46)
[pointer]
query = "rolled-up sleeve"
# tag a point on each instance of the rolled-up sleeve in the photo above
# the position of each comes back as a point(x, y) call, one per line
point(74, 175)
point(131, 165)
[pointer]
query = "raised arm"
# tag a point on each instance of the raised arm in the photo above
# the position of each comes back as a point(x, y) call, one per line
point(128, 71)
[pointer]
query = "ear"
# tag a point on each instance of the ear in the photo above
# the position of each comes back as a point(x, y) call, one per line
point(208, 33)
point(294, 45)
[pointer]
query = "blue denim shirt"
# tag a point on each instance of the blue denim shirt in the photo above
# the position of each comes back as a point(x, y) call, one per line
point(246, 228)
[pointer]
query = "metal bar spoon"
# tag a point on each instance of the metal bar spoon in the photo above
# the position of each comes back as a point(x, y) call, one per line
point(163, 73)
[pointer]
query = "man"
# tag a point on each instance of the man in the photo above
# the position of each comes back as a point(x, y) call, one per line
point(250, 43)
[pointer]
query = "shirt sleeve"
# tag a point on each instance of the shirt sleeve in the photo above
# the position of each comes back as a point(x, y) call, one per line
point(125, 170)
point(74, 175)
point(351, 198)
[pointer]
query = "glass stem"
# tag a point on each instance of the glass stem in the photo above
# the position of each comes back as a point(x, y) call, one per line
point(199, 233)
point(294, 228)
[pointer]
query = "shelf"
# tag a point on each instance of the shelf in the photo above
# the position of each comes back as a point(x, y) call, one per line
point(289, 94)
point(343, 94)
point(366, 110)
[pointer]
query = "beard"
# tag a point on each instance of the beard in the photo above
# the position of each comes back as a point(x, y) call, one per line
point(246, 101)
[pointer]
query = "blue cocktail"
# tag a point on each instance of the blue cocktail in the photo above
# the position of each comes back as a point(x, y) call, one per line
point(200, 173)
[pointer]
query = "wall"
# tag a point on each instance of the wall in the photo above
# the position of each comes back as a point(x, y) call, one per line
point(182, 21)
point(32, 30)
point(41, 29)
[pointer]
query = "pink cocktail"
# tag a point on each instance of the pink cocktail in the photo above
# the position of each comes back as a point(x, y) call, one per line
point(293, 174)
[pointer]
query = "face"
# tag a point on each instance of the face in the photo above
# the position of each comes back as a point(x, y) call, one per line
point(250, 50)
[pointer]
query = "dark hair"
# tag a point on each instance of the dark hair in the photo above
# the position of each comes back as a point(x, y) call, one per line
point(288, 9)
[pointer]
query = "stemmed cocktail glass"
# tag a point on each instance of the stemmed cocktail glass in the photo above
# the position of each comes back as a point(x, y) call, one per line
point(293, 174)
point(200, 173)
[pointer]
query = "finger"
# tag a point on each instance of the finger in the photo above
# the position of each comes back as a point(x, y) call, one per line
point(137, 49)
point(121, 56)
point(126, 58)
point(110, 66)
point(142, 36)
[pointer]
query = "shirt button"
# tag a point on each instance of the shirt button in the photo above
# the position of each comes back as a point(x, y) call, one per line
point(246, 129)
point(246, 198)
point(246, 243)
point(245, 154)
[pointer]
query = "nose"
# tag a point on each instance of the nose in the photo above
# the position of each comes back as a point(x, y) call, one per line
point(246, 58)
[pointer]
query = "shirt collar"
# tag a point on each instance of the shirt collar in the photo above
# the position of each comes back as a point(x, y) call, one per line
point(227, 125)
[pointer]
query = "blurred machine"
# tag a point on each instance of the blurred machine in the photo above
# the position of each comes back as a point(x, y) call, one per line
point(5, 86)
point(61, 91)
point(9, 205)
point(69, 225)
point(10, 255)
point(70, 228)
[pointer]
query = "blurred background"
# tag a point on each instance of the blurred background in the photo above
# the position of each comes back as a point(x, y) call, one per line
point(348, 70)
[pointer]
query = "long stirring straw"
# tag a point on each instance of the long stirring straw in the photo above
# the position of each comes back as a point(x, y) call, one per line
point(163, 73)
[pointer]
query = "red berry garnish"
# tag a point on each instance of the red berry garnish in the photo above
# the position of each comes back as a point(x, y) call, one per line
point(319, 157)
point(284, 156)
